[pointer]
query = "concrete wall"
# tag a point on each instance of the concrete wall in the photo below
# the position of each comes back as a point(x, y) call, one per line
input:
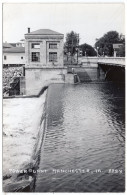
point(89, 74)
point(69, 78)
point(87, 60)
point(14, 58)
point(36, 79)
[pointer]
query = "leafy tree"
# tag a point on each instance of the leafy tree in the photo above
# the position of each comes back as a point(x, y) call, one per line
point(105, 43)
point(87, 50)
point(72, 41)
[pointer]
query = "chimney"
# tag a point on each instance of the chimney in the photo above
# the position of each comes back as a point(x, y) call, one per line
point(28, 30)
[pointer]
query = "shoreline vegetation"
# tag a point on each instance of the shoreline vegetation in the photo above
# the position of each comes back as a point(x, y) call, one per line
point(23, 131)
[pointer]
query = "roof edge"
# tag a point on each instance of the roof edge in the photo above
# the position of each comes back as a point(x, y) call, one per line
point(44, 34)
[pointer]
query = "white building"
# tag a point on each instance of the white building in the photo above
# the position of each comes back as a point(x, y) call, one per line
point(14, 56)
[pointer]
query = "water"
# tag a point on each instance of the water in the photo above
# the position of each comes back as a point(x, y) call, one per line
point(85, 134)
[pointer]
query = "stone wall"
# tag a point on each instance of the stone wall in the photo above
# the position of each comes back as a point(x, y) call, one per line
point(8, 74)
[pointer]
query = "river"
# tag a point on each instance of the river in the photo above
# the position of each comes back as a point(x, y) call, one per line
point(84, 143)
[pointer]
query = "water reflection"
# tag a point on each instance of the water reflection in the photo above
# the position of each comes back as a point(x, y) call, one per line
point(85, 130)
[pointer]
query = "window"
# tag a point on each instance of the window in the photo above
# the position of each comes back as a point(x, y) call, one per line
point(5, 57)
point(36, 45)
point(53, 46)
point(35, 57)
point(52, 57)
point(21, 57)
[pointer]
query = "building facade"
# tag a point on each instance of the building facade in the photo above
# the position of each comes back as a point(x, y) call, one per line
point(44, 48)
point(14, 56)
point(116, 47)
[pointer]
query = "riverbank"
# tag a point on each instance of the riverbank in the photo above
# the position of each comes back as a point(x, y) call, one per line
point(23, 122)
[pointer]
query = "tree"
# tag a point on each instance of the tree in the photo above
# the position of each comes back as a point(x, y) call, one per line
point(87, 50)
point(105, 43)
point(72, 41)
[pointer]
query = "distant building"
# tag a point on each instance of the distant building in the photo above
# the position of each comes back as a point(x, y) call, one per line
point(116, 47)
point(7, 45)
point(122, 37)
point(13, 55)
point(18, 44)
point(44, 48)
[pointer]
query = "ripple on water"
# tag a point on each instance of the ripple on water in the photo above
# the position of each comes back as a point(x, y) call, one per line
point(85, 130)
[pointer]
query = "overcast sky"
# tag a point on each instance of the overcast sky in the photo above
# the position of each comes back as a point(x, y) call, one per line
point(91, 21)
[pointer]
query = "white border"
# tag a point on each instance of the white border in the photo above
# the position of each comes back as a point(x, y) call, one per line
point(47, 1)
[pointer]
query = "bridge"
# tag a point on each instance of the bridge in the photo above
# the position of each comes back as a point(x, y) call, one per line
point(113, 68)
point(118, 61)
point(100, 68)
point(115, 61)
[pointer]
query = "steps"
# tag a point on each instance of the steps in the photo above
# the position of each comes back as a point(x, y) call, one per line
point(84, 76)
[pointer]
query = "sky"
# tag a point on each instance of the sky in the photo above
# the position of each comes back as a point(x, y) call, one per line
point(91, 21)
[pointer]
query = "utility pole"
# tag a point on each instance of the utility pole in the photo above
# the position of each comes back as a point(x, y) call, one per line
point(72, 49)
point(97, 51)
point(77, 47)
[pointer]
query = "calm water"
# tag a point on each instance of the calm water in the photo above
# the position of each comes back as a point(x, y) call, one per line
point(84, 139)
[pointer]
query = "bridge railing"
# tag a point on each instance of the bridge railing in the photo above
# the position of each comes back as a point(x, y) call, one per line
point(105, 60)
point(84, 59)
point(112, 60)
